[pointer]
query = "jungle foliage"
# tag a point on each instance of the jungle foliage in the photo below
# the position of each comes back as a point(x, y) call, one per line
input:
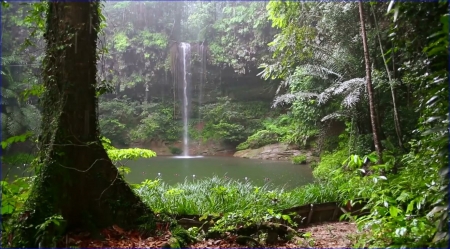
point(312, 58)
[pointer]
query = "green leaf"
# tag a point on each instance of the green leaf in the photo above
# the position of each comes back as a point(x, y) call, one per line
point(393, 211)
point(7, 208)
point(16, 139)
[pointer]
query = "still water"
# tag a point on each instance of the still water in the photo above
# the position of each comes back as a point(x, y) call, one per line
point(174, 170)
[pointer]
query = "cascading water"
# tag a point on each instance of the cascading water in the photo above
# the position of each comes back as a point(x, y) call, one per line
point(202, 71)
point(186, 49)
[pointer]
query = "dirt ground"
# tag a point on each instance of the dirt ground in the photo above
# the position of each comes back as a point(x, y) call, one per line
point(325, 235)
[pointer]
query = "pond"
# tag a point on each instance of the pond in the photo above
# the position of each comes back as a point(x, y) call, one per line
point(174, 170)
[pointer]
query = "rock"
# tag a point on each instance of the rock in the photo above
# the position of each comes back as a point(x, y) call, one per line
point(279, 151)
point(172, 243)
point(205, 148)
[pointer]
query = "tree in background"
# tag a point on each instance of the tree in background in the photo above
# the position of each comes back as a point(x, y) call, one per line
point(373, 113)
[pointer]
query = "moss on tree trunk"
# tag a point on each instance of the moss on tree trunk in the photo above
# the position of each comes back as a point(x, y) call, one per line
point(76, 178)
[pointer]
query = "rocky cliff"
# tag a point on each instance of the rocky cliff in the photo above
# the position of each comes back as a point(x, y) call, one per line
point(279, 151)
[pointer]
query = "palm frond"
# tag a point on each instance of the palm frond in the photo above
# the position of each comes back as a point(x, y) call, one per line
point(14, 125)
point(319, 71)
point(32, 118)
point(8, 93)
point(291, 97)
point(337, 115)
point(351, 90)
point(333, 115)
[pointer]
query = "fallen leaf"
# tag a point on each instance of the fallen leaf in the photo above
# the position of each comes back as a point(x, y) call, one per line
point(118, 229)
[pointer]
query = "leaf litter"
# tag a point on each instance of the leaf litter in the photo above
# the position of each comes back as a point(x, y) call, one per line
point(324, 235)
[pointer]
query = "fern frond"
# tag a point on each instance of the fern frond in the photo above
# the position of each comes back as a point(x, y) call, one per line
point(352, 98)
point(8, 93)
point(291, 97)
point(337, 115)
point(349, 85)
point(319, 71)
point(351, 90)
point(13, 123)
point(4, 119)
point(32, 117)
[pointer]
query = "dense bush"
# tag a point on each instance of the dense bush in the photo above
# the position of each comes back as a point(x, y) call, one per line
point(116, 118)
point(125, 121)
point(232, 122)
point(329, 162)
point(175, 150)
point(300, 159)
point(259, 139)
point(156, 123)
point(283, 128)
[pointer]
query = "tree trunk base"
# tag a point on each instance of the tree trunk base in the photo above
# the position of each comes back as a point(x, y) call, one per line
point(89, 199)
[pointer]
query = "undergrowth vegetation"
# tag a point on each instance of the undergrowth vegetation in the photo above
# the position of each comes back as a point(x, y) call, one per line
point(218, 196)
point(398, 202)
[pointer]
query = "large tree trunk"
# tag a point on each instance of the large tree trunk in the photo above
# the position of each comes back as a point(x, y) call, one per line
point(373, 115)
point(76, 178)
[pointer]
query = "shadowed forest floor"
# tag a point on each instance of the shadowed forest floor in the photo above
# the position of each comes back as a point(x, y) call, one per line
point(325, 235)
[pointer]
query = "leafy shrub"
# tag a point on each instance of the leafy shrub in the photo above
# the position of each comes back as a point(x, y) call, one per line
point(156, 123)
point(285, 128)
point(259, 139)
point(114, 129)
point(300, 159)
point(400, 205)
point(13, 196)
point(18, 159)
point(230, 121)
point(175, 150)
point(329, 162)
point(313, 165)
point(123, 121)
point(116, 117)
point(119, 155)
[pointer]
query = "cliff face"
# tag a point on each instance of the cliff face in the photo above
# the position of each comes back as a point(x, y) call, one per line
point(196, 147)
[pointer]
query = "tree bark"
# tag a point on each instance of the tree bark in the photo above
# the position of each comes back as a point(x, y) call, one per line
point(75, 177)
point(373, 115)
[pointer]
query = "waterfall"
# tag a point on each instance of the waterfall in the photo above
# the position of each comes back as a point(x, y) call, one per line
point(186, 49)
point(202, 72)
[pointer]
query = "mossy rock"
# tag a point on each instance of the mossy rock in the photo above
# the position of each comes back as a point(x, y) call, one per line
point(180, 239)
point(172, 243)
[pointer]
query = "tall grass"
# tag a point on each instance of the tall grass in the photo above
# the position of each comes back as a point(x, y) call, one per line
point(218, 195)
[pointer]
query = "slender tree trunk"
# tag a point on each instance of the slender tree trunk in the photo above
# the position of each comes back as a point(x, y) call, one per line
point(398, 130)
point(76, 179)
point(373, 117)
